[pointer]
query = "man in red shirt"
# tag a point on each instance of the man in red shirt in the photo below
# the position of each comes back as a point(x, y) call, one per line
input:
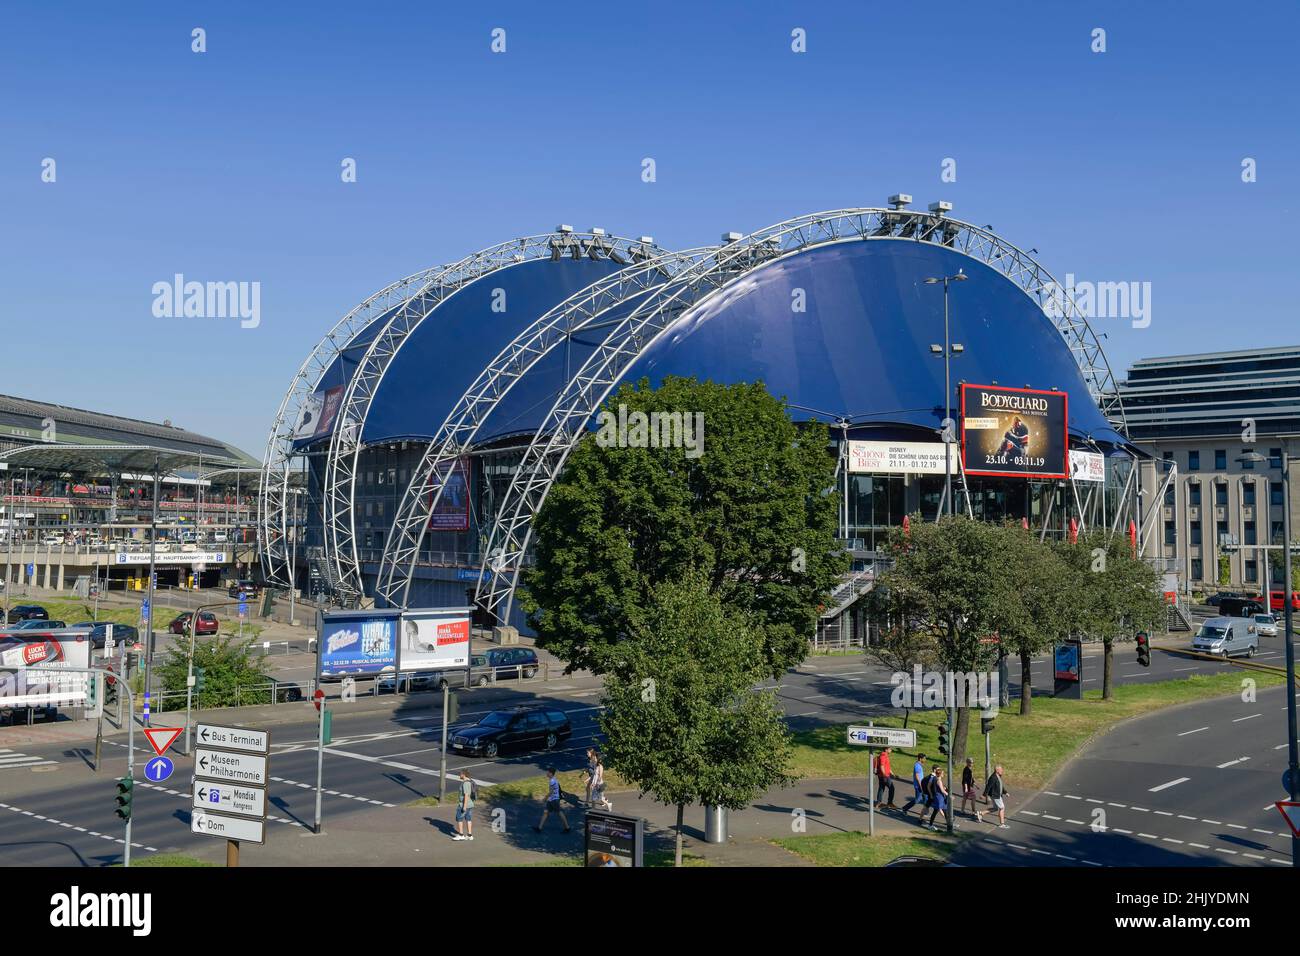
point(884, 779)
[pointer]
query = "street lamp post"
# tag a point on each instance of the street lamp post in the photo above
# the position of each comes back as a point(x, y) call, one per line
point(949, 349)
point(1293, 746)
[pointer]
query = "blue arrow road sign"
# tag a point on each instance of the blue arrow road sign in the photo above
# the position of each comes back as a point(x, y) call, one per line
point(159, 769)
point(31, 570)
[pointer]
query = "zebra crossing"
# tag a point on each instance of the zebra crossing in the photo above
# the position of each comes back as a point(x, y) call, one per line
point(11, 760)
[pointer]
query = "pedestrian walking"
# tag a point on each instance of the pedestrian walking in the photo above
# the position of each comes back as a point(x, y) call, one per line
point(996, 792)
point(553, 795)
point(592, 760)
point(938, 795)
point(968, 789)
point(465, 807)
point(918, 779)
point(598, 785)
point(884, 779)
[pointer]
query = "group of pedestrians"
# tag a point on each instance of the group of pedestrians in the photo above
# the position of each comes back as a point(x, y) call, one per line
point(467, 794)
point(930, 791)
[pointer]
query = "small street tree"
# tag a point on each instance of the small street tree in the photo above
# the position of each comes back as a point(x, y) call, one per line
point(1041, 612)
point(951, 581)
point(682, 719)
point(1113, 593)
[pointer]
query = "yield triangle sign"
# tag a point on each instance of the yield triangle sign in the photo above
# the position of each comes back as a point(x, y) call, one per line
point(160, 738)
point(1291, 810)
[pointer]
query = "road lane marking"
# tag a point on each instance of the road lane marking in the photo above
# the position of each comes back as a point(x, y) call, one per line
point(1237, 720)
point(1232, 762)
point(94, 833)
point(1171, 783)
point(1196, 731)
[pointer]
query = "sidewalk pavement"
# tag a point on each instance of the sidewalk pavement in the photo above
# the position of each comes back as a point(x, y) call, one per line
point(422, 836)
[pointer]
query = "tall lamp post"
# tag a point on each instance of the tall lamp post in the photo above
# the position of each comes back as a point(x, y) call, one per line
point(1293, 757)
point(948, 350)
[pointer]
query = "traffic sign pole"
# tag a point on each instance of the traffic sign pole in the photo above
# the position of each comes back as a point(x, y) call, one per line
point(871, 789)
point(320, 753)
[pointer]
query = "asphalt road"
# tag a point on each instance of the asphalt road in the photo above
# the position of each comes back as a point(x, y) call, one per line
point(55, 810)
point(1189, 786)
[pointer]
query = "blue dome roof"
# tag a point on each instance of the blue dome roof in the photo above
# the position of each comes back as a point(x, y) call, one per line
point(860, 346)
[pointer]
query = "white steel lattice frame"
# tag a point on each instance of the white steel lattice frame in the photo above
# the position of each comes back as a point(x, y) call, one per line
point(273, 488)
point(456, 436)
point(653, 317)
point(346, 440)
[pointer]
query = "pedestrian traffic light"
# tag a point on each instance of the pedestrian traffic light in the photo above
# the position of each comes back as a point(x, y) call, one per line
point(110, 689)
point(1144, 649)
point(943, 738)
point(125, 786)
point(200, 678)
point(986, 725)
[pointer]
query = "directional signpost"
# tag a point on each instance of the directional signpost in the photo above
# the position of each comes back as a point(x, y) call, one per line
point(877, 738)
point(230, 776)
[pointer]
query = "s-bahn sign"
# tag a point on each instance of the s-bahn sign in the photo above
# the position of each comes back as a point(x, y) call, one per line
point(1014, 432)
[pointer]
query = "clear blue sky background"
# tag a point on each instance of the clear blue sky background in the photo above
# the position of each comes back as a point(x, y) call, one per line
point(225, 166)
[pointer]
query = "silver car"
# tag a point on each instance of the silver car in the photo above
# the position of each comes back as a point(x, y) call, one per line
point(1266, 625)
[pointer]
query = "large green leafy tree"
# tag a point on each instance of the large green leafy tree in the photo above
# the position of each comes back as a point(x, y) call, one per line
point(752, 512)
point(230, 675)
point(682, 719)
point(1112, 593)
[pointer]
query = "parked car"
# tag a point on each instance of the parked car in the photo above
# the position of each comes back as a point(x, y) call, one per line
point(250, 589)
point(287, 691)
point(503, 663)
point(1229, 636)
point(27, 612)
point(416, 680)
point(122, 633)
point(181, 623)
point(1241, 607)
point(525, 728)
point(1214, 600)
point(1266, 625)
point(37, 624)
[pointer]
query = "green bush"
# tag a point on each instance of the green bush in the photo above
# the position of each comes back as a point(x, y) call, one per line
point(230, 675)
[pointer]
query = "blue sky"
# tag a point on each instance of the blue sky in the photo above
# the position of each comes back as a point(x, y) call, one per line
point(225, 166)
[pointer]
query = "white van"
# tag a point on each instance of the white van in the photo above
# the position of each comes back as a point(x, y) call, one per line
point(1228, 636)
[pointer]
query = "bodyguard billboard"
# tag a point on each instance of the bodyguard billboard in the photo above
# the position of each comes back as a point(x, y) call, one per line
point(1014, 432)
point(434, 639)
point(357, 643)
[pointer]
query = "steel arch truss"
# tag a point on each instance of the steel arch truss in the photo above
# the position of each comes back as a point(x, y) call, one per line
point(714, 275)
point(346, 440)
point(273, 511)
point(581, 311)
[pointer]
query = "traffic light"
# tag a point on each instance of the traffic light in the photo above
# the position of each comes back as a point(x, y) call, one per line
point(1144, 649)
point(943, 738)
point(986, 725)
point(453, 706)
point(125, 786)
point(110, 689)
point(200, 678)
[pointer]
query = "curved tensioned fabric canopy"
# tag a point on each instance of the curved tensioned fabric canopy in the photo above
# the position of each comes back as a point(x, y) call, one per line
point(790, 350)
point(289, 423)
point(412, 369)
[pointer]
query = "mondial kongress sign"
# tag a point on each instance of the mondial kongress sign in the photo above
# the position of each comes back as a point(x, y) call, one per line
point(1014, 432)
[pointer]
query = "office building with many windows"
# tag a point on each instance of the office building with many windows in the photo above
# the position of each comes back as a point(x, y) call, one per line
point(1202, 416)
